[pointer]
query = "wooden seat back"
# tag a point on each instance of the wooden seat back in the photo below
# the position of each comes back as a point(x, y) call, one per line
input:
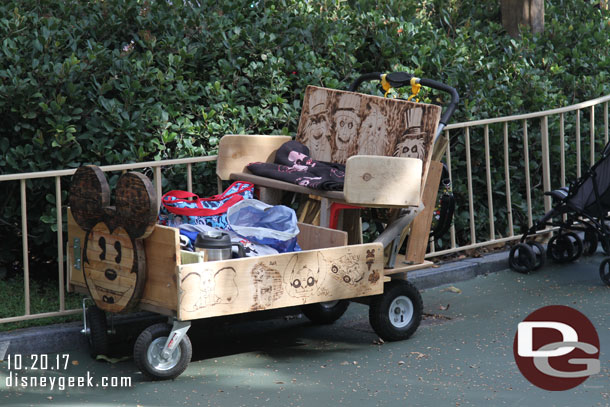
point(336, 125)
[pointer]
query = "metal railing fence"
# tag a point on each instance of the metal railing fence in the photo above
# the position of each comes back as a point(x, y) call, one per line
point(489, 200)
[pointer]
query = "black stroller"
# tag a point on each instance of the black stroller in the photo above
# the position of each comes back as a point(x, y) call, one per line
point(583, 206)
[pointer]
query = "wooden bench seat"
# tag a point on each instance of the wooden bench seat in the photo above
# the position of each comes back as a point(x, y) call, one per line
point(286, 186)
point(369, 181)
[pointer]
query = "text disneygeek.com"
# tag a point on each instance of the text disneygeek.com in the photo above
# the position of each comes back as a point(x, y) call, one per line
point(23, 373)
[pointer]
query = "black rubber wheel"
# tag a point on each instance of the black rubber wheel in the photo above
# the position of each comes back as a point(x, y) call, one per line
point(605, 241)
point(522, 258)
point(578, 244)
point(590, 242)
point(325, 312)
point(396, 314)
point(539, 254)
point(604, 271)
point(565, 247)
point(98, 331)
point(147, 353)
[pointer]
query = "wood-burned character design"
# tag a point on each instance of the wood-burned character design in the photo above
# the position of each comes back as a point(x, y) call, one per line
point(114, 259)
point(303, 276)
point(267, 286)
point(413, 141)
point(208, 288)
point(370, 258)
point(373, 132)
point(347, 269)
point(345, 126)
point(316, 132)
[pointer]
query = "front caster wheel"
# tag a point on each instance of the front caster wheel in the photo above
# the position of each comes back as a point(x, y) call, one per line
point(604, 271)
point(522, 258)
point(396, 314)
point(565, 247)
point(98, 331)
point(325, 312)
point(590, 242)
point(147, 353)
point(539, 254)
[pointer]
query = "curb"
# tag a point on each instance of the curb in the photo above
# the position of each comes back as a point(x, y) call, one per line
point(66, 337)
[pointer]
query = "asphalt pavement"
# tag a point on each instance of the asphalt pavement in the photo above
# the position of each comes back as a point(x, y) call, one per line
point(462, 355)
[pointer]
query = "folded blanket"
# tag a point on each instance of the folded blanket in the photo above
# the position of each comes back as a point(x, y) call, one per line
point(293, 164)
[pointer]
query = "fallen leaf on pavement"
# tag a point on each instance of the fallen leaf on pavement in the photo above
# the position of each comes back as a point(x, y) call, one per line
point(452, 289)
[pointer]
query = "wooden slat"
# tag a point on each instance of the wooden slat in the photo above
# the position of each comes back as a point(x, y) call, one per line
point(405, 269)
point(235, 152)
point(388, 181)
point(420, 228)
point(285, 186)
point(162, 257)
point(315, 237)
point(268, 282)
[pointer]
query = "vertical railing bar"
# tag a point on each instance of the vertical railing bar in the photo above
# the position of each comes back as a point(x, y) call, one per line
point(189, 178)
point(490, 204)
point(562, 149)
point(24, 240)
point(546, 171)
point(562, 158)
point(578, 158)
point(528, 186)
point(605, 123)
point(158, 185)
point(60, 243)
point(509, 205)
point(452, 229)
point(592, 136)
point(473, 237)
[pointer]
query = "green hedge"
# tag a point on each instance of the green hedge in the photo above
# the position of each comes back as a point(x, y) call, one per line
point(118, 81)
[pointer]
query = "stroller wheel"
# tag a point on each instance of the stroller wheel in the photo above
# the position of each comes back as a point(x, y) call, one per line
point(590, 242)
point(604, 271)
point(605, 244)
point(538, 250)
point(522, 258)
point(565, 247)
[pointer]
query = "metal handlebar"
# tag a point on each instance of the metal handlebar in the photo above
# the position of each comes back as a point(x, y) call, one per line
point(400, 79)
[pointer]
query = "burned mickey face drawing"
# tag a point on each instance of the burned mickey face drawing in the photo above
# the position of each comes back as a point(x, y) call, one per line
point(114, 261)
point(303, 277)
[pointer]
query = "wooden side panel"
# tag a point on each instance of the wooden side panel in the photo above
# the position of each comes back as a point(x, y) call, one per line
point(235, 152)
point(162, 258)
point(267, 282)
point(420, 228)
point(162, 250)
point(387, 181)
point(315, 237)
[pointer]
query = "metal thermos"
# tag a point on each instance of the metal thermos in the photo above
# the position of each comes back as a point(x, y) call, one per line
point(216, 245)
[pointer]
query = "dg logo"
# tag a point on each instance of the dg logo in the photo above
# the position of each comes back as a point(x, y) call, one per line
point(557, 348)
point(114, 260)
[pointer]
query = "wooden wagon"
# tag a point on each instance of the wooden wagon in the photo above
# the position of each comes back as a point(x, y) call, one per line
point(125, 261)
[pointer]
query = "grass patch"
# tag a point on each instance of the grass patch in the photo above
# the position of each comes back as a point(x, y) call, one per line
point(44, 297)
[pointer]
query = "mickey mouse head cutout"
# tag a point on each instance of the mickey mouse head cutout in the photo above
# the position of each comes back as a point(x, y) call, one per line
point(114, 260)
